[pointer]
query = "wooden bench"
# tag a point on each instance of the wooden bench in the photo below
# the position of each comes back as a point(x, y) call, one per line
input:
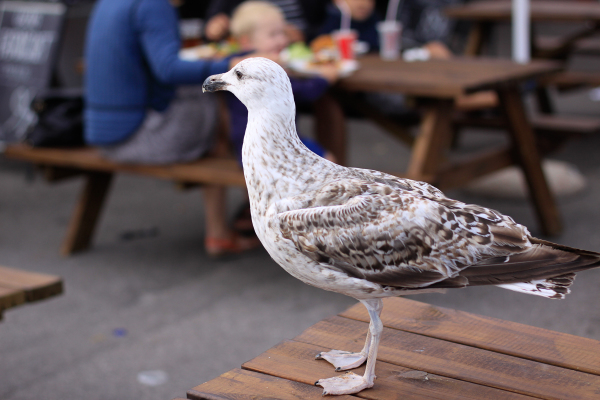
point(425, 352)
point(572, 79)
point(19, 287)
point(543, 124)
point(59, 164)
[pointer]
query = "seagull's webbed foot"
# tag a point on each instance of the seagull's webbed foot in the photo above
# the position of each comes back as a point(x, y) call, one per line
point(349, 383)
point(343, 360)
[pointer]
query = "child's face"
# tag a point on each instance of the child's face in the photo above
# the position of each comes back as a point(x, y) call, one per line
point(360, 9)
point(269, 36)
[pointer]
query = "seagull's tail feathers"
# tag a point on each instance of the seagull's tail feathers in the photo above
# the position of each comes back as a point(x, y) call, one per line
point(552, 288)
point(545, 269)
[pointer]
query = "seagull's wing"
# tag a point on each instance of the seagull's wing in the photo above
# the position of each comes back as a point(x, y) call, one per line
point(400, 233)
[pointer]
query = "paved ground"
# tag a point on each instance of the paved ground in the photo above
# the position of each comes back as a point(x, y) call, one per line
point(147, 298)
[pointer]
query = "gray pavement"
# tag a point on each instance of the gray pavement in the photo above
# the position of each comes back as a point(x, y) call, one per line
point(157, 302)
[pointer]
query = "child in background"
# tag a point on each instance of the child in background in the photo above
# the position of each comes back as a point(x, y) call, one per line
point(259, 26)
point(364, 20)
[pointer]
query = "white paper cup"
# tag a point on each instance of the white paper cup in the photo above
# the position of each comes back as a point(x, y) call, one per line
point(389, 39)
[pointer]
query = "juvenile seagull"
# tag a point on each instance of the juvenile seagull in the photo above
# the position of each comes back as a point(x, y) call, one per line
point(370, 235)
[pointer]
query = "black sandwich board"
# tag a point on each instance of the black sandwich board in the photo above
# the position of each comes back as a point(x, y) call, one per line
point(30, 33)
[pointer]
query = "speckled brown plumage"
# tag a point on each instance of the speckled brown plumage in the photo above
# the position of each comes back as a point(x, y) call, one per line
point(335, 227)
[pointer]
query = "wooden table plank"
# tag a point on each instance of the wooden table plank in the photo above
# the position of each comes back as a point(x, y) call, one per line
point(35, 286)
point(457, 361)
point(441, 78)
point(240, 385)
point(542, 345)
point(295, 361)
point(540, 11)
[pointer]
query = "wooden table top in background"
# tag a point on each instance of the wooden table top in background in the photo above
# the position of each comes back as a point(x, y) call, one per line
point(540, 10)
point(441, 78)
point(425, 352)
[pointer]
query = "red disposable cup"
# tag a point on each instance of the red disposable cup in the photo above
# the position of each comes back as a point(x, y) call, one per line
point(345, 43)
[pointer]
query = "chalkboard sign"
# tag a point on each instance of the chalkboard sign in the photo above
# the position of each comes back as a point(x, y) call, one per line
point(29, 39)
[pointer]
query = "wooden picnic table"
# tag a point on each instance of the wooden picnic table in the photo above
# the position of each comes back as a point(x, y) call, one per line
point(435, 84)
point(18, 287)
point(425, 352)
point(485, 13)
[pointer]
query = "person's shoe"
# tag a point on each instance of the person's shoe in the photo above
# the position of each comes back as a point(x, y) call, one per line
point(216, 247)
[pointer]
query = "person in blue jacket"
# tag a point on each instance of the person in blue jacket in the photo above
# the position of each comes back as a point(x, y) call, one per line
point(145, 105)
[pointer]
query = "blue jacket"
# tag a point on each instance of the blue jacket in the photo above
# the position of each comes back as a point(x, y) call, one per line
point(132, 65)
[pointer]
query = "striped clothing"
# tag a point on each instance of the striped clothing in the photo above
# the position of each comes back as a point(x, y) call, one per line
point(292, 11)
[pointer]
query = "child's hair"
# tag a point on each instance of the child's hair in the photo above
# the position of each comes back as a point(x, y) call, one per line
point(248, 15)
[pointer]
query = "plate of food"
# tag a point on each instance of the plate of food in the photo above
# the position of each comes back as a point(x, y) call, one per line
point(209, 50)
point(309, 60)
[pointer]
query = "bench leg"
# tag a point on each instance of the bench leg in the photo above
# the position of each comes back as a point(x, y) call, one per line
point(433, 141)
point(478, 37)
point(87, 211)
point(527, 154)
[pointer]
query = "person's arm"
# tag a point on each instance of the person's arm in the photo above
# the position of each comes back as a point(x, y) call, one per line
point(158, 28)
point(217, 27)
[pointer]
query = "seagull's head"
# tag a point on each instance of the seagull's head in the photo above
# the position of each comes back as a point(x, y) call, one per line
point(258, 83)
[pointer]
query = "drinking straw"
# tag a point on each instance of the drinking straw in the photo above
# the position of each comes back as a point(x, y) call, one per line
point(392, 10)
point(346, 15)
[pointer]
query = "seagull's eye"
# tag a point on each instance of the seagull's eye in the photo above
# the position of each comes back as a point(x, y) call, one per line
point(239, 74)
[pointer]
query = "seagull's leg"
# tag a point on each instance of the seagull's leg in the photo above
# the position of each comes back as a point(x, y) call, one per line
point(343, 360)
point(350, 383)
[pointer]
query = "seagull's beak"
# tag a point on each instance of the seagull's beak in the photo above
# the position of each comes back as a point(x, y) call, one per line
point(214, 83)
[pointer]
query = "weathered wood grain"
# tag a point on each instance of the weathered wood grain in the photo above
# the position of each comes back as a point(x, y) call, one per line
point(295, 361)
point(493, 334)
point(457, 361)
point(241, 385)
point(34, 286)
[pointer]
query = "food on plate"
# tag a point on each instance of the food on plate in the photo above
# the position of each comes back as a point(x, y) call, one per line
point(318, 59)
point(210, 50)
point(299, 51)
point(324, 49)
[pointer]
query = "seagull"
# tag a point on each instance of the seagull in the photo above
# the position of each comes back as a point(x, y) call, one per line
point(370, 235)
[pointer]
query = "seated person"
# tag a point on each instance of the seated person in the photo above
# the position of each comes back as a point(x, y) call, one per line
point(219, 13)
point(425, 25)
point(134, 111)
point(304, 18)
point(259, 26)
point(364, 20)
